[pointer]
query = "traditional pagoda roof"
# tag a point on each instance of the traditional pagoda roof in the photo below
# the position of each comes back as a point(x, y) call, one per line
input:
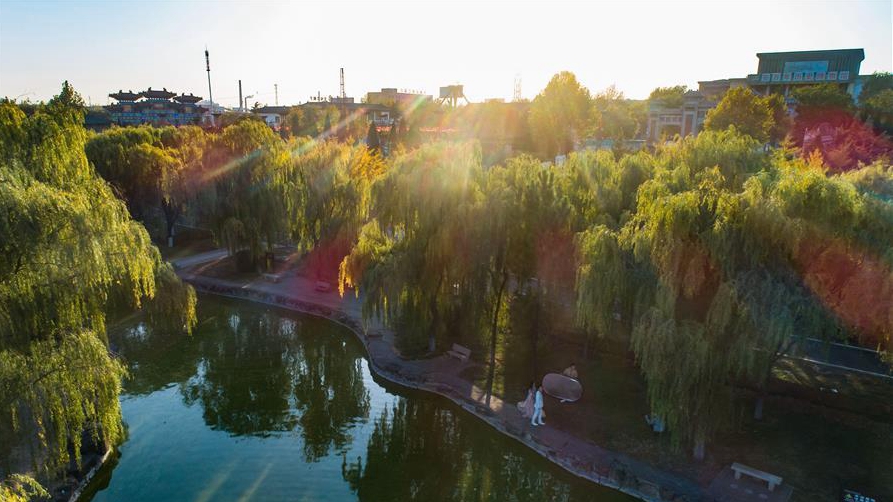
point(182, 98)
point(126, 96)
point(156, 94)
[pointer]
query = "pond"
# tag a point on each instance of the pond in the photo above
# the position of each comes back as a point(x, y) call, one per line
point(262, 404)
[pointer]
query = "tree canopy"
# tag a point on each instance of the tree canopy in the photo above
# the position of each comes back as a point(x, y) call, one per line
point(559, 114)
point(761, 117)
point(71, 254)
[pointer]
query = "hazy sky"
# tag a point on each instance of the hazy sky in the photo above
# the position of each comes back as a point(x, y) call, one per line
point(101, 47)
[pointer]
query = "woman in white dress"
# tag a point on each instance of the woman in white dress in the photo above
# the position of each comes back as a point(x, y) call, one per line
point(526, 406)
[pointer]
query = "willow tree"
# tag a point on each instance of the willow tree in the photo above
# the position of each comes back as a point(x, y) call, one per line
point(245, 209)
point(602, 279)
point(540, 256)
point(691, 341)
point(326, 189)
point(411, 255)
point(150, 168)
point(69, 252)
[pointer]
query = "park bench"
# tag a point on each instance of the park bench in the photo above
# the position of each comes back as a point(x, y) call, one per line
point(272, 277)
point(459, 352)
point(323, 286)
point(772, 479)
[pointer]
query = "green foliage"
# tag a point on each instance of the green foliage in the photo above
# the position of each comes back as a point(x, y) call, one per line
point(821, 97)
point(70, 252)
point(879, 109)
point(874, 84)
point(559, 115)
point(18, 488)
point(615, 117)
point(761, 117)
point(372, 141)
point(245, 210)
point(668, 97)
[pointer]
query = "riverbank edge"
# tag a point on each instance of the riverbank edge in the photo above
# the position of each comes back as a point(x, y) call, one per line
point(650, 492)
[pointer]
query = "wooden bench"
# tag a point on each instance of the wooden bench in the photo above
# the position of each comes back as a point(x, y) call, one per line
point(272, 277)
point(323, 286)
point(772, 479)
point(459, 352)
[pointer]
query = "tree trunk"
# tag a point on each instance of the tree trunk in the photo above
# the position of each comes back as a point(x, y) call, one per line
point(700, 449)
point(171, 215)
point(758, 409)
point(536, 334)
point(493, 330)
point(435, 319)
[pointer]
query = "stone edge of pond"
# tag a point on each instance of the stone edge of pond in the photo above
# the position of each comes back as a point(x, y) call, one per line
point(85, 482)
point(646, 490)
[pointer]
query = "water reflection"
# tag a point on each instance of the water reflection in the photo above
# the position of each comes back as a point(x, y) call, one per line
point(419, 450)
point(263, 405)
point(255, 372)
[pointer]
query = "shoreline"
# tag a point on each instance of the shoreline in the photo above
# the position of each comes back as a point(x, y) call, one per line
point(589, 462)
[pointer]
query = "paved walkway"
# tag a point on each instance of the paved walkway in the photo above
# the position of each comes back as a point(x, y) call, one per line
point(441, 375)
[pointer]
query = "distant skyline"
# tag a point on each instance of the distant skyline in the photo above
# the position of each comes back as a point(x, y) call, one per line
point(103, 46)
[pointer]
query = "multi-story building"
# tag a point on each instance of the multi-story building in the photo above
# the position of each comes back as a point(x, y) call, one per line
point(781, 72)
point(391, 102)
point(157, 107)
point(777, 72)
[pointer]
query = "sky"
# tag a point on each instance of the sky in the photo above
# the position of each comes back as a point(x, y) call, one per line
point(103, 46)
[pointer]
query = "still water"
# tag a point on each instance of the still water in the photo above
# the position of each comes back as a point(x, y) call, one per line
point(262, 404)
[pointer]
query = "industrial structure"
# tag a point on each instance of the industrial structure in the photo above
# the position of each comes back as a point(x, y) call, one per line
point(451, 94)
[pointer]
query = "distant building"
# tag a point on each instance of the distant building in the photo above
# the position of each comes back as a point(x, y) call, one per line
point(684, 120)
point(273, 115)
point(156, 107)
point(380, 114)
point(782, 72)
point(777, 72)
point(392, 103)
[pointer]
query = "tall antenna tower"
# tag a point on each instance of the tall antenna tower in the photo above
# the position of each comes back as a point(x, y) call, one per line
point(276, 90)
point(208, 69)
point(343, 94)
point(517, 96)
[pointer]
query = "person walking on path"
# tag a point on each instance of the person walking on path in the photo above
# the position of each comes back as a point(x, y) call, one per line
point(537, 418)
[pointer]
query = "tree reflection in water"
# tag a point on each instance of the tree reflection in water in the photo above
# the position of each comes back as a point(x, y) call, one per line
point(299, 391)
point(420, 451)
point(256, 372)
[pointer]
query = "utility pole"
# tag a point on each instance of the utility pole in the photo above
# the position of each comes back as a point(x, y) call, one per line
point(517, 96)
point(240, 95)
point(208, 69)
point(343, 94)
point(276, 90)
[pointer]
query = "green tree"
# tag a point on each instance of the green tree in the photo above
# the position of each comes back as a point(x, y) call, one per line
point(822, 98)
point(874, 84)
point(245, 210)
point(668, 97)
point(373, 143)
point(70, 254)
point(761, 117)
point(613, 116)
point(879, 110)
point(559, 115)
point(151, 168)
point(293, 122)
point(406, 260)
